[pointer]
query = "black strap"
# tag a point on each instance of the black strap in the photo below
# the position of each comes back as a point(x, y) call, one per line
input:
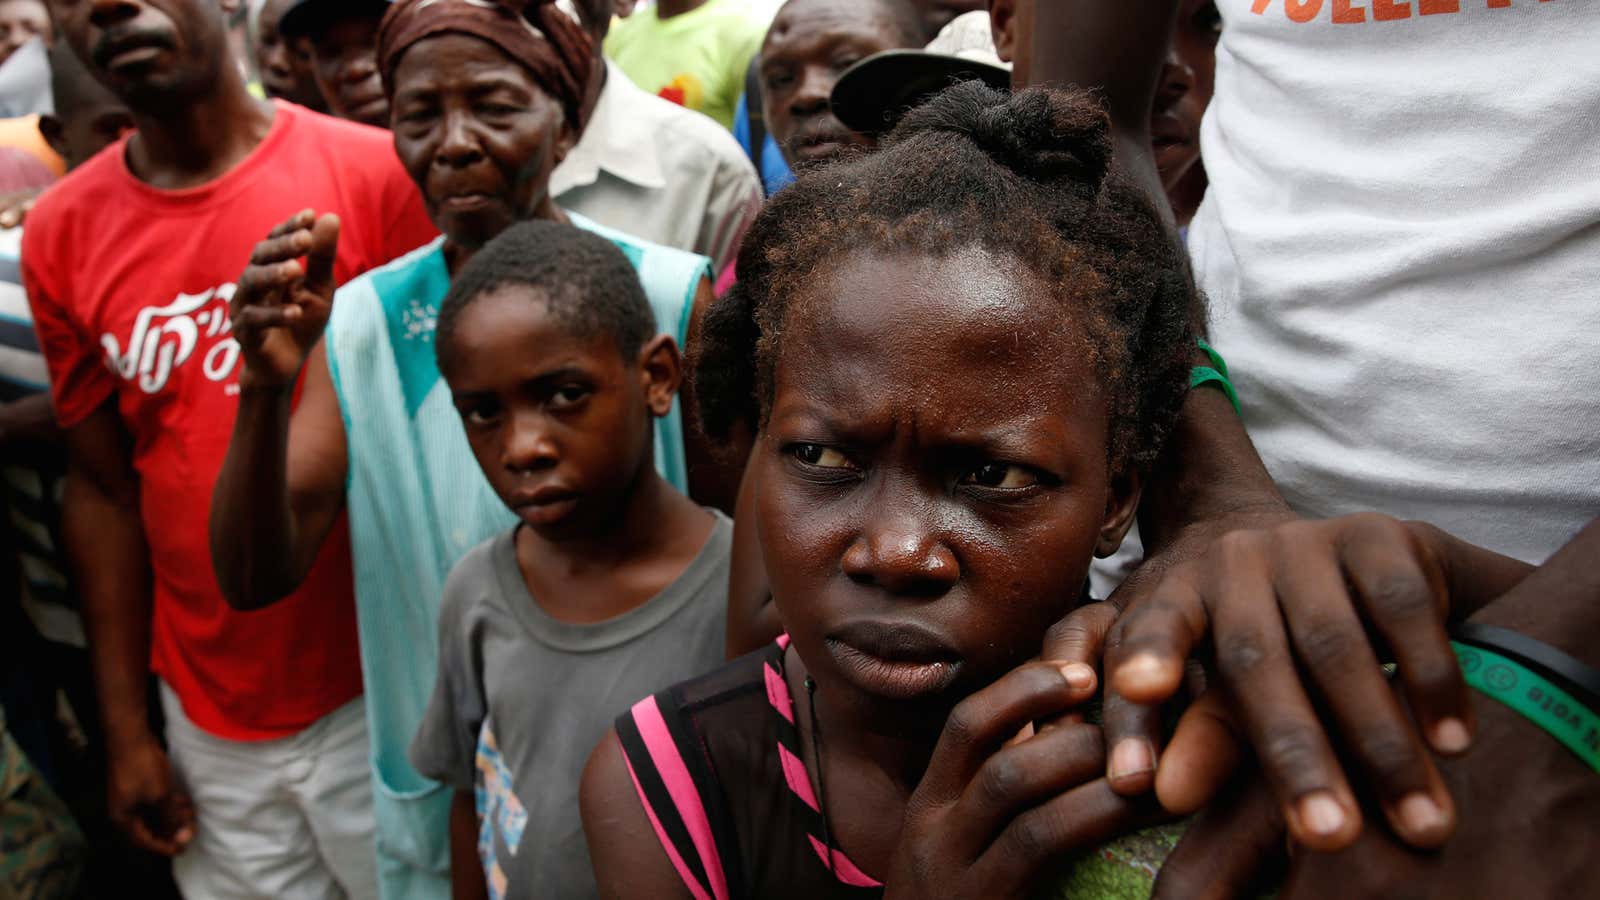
point(1541, 657)
point(755, 112)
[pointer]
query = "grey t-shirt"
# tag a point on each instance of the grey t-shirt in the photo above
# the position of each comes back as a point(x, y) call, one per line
point(521, 699)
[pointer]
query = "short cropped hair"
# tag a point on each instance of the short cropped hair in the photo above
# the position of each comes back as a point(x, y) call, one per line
point(587, 282)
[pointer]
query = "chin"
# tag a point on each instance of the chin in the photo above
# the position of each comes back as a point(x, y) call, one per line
point(471, 232)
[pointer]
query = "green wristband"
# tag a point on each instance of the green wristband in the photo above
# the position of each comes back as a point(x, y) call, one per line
point(1539, 701)
point(1217, 362)
point(1206, 375)
point(1216, 373)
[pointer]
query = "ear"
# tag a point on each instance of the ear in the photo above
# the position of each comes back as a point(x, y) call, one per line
point(566, 139)
point(1122, 507)
point(51, 129)
point(661, 373)
point(1003, 26)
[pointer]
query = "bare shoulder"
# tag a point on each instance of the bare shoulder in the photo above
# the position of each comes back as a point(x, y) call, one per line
point(628, 858)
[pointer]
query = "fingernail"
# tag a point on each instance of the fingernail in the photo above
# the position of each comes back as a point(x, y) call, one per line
point(1078, 676)
point(1420, 816)
point(1131, 757)
point(1320, 814)
point(1451, 736)
point(1142, 667)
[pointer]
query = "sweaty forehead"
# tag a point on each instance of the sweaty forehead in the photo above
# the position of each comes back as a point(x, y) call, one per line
point(912, 319)
point(804, 23)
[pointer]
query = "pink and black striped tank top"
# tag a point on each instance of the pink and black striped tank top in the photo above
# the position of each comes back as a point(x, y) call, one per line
point(716, 762)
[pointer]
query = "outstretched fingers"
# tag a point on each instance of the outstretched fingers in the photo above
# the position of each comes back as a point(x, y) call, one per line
point(983, 722)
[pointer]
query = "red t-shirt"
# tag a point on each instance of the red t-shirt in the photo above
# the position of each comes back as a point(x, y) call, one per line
point(129, 287)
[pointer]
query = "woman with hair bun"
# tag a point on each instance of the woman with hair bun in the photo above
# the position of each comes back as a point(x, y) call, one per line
point(962, 351)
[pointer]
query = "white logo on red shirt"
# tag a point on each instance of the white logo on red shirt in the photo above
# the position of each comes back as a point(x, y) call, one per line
point(166, 337)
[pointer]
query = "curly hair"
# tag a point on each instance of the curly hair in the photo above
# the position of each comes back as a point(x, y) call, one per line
point(587, 283)
point(1024, 176)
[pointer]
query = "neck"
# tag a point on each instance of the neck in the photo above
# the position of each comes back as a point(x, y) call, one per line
point(189, 144)
point(666, 9)
point(457, 255)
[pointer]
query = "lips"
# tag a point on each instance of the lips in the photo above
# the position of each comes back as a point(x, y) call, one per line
point(463, 203)
point(1167, 129)
point(820, 143)
point(545, 505)
point(894, 661)
point(131, 48)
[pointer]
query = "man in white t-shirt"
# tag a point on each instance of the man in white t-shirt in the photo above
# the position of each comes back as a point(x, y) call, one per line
point(1401, 244)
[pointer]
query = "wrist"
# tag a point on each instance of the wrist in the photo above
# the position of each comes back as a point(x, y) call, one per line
point(260, 386)
point(127, 732)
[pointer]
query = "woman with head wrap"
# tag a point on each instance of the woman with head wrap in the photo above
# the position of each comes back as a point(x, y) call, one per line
point(485, 99)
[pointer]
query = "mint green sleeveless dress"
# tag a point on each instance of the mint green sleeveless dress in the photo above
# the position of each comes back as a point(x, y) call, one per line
point(418, 502)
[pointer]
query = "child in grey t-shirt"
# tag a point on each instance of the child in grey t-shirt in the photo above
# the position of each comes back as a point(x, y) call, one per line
point(611, 587)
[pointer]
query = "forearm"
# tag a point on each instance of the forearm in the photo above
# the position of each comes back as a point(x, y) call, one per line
point(1116, 49)
point(1559, 602)
point(466, 871)
point(1208, 472)
point(256, 546)
point(105, 543)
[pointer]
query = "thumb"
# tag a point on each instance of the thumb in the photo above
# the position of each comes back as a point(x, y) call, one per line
point(320, 258)
point(1081, 636)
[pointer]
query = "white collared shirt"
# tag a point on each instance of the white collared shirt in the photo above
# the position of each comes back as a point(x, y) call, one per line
point(657, 171)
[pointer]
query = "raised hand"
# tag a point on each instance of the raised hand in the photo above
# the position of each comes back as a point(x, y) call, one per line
point(993, 811)
point(145, 801)
point(282, 305)
point(1293, 621)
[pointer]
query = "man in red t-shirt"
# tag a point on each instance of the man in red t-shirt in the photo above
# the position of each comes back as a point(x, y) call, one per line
point(129, 264)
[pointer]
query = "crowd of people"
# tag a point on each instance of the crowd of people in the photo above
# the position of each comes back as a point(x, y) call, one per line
point(822, 448)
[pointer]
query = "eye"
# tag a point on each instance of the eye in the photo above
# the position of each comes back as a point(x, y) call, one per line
point(569, 396)
point(479, 413)
point(1001, 476)
point(1208, 19)
point(777, 80)
point(820, 457)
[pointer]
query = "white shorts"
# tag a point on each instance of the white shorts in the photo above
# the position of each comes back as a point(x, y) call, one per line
point(286, 818)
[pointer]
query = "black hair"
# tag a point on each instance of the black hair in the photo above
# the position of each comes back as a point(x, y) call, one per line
point(1026, 176)
point(586, 281)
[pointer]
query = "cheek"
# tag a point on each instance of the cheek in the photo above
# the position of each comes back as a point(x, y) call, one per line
point(804, 532)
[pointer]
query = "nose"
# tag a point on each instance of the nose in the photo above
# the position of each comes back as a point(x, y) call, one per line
point(358, 65)
point(105, 13)
point(458, 147)
point(811, 97)
point(901, 548)
point(530, 444)
point(1177, 79)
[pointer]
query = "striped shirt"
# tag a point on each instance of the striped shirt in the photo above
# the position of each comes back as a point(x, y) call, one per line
point(30, 477)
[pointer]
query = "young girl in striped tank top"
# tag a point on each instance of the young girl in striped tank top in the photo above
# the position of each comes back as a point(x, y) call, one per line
point(961, 351)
